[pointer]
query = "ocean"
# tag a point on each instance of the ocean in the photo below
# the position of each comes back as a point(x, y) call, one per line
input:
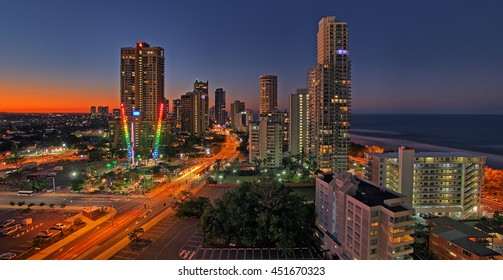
point(479, 134)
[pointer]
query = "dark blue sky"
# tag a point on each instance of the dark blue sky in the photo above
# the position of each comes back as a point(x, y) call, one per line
point(407, 56)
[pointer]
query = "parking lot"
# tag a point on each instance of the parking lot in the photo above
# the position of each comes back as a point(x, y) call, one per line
point(253, 254)
point(20, 241)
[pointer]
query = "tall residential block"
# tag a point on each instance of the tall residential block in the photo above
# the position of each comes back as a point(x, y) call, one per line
point(236, 108)
point(444, 183)
point(142, 100)
point(298, 123)
point(265, 142)
point(360, 220)
point(220, 106)
point(185, 112)
point(177, 106)
point(329, 97)
point(268, 94)
point(200, 99)
point(93, 110)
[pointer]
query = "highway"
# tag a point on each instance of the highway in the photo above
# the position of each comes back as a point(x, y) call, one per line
point(137, 212)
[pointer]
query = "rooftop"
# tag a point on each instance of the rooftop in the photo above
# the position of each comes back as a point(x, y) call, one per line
point(374, 196)
point(428, 154)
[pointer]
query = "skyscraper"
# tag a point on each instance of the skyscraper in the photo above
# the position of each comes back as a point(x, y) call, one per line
point(329, 97)
point(268, 94)
point(220, 106)
point(236, 108)
point(185, 111)
point(177, 112)
point(298, 122)
point(200, 99)
point(142, 100)
point(93, 110)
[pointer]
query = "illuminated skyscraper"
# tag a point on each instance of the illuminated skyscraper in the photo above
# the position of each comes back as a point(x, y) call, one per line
point(268, 94)
point(220, 108)
point(329, 101)
point(200, 99)
point(142, 97)
point(298, 123)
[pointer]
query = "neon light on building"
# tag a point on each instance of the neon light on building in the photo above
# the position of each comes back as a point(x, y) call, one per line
point(126, 131)
point(155, 154)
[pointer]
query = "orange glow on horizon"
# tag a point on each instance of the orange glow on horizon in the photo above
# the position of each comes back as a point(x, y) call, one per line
point(30, 98)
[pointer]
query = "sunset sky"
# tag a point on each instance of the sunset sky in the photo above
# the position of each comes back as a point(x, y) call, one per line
point(407, 56)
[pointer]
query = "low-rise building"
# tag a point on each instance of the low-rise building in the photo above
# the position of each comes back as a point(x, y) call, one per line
point(454, 240)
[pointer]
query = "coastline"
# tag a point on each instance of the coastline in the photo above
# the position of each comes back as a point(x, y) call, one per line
point(492, 160)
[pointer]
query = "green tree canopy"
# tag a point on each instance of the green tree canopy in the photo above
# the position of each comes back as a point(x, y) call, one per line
point(260, 214)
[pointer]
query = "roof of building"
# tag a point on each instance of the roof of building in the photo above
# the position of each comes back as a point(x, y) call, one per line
point(326, 176)
point(428, 154)
point(373, 195)
point(459, 234)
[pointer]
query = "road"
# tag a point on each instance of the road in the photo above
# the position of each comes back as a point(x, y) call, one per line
point(493, 204)
point(137, 213)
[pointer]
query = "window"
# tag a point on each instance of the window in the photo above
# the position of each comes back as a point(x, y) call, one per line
point(373, 251)
point(373, 233)
point(467, 253)
point(374, 214)
point(373, 242)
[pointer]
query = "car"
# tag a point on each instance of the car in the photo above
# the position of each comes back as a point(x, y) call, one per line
point(8, 223)
point(7, 256)
point(45, 233)
point(59, 226)
point(11, 230)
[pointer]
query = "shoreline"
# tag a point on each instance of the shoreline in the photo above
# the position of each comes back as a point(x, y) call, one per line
point(492, 160)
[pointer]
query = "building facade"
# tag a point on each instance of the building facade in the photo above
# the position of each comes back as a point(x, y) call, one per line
point(445, 183)
point(236, 108)
point(220, 107)
point(268, 94)
point(359, 220)
point(185, 112)
point(265, 142)
point(329, 97)
point(199, 121)
point(142, 128)
point(177, 115)
point(453, 240)
point(297, 139)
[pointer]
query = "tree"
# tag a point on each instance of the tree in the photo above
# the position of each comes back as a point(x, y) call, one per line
point(63, 205)
point(31, 204)
point(20, 203)
point(37, 186)
point(51, 205)
point(12, 203)
point(191, 207)
point(41, 204)
point(77, 185)
point(15, 158)
point(38, 242)
point(135, 234)
point(260, 214)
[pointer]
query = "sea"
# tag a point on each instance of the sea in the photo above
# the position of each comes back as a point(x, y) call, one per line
point(478, 134)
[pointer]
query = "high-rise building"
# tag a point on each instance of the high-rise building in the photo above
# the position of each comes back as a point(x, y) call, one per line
point(220, 107)
point(283, 118)
point(445, 183)
point(298, 123)
point(265, 142)
point(116, 113)
point(142, 100)
point(186, 112)
point(177, 112)
point(103, 110)
point(236, 108)
point(329, 97)
point(242, 120)
point(360, 220)
point(200, 108)
point(268, 94)
point(212, 114)
point(93, 110)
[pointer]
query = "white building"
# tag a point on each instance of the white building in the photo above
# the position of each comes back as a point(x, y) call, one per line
point(446, 183)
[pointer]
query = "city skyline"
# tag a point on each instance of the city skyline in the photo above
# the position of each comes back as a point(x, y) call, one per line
point(407, 57)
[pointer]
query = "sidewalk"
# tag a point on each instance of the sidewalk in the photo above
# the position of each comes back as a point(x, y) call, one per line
point(90, 225)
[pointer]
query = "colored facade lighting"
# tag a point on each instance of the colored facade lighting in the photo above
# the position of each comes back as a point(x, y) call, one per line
point(155, 154)
point(126, 131)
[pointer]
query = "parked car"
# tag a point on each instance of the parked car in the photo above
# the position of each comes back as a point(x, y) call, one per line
point(8, 223)
point(11, 230)
point(7, 256)
point(45, 233)
point(59, 226)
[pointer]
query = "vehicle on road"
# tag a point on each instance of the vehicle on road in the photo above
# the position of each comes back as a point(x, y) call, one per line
point(46, 233)
point(11, 230)
point(59, 226)
point(7, 256)
point(58, 168)
point(25, 193)
point(8, 223)
point(52, 174)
